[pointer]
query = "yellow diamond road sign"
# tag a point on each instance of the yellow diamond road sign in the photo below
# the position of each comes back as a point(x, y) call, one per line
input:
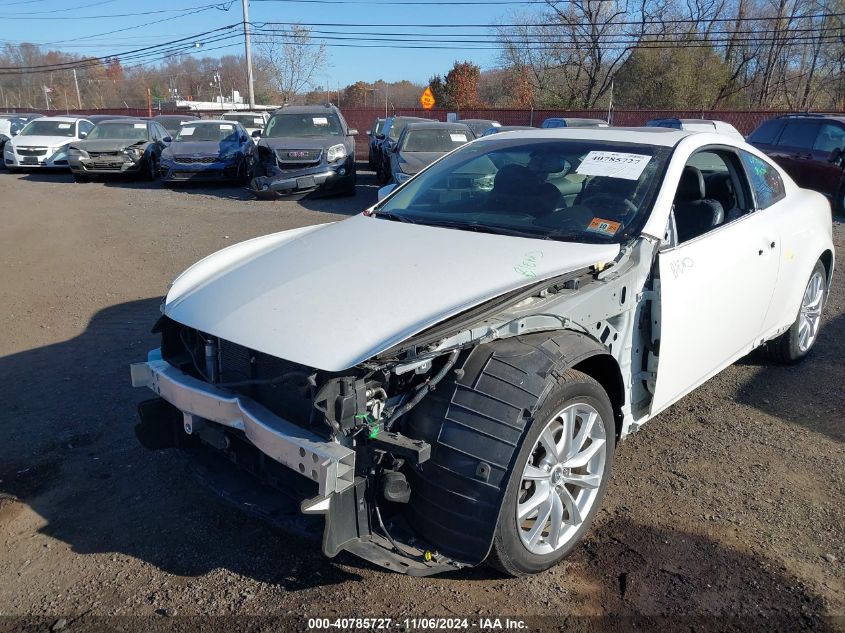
point(427, 99)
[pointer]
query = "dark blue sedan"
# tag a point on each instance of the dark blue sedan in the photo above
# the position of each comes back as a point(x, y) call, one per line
point(209, 150)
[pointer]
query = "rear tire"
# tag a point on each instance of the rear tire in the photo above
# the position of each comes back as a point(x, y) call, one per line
point(577, 408)
point(797, 342)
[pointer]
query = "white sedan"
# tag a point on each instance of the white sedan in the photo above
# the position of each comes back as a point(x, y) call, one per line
point(447, 374)
point(43, 142)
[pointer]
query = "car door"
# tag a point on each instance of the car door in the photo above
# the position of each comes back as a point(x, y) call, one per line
point(713, 294)
point(794, 149)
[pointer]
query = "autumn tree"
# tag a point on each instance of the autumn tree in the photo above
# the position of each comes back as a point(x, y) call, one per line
point(462, 85)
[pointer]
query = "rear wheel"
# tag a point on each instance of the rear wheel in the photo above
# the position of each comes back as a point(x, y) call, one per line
point(559, 477)
point(798, 340)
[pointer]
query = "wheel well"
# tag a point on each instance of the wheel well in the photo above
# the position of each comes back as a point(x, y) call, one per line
point(827, 259)
point(603, 369)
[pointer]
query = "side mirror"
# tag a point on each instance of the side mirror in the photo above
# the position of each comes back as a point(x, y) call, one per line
point(15, 132)
point(380, 136)
point(352, 132)
point(835, 155)
point(244, 139)
point(369, 132)
point(256, 134)
point(83, 134)
point(167, 139)
point(385, 191)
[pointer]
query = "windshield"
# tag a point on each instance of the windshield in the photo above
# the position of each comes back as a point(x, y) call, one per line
point(208, 132)
point(247, 120)
point(118, 131)
point(571, 190)
point(303, 125)
point(434, 140)
point(41, 127)
point(400, 124)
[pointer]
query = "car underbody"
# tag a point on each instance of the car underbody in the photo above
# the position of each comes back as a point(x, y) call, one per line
point(410, 437)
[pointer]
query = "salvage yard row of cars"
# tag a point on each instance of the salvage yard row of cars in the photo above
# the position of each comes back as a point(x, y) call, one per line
point(547, 292)
point(300, 150)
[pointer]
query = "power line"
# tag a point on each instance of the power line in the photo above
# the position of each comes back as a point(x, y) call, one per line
point(223, 6)
point(441, 25)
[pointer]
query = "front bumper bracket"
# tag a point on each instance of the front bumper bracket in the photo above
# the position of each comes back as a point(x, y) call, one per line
point(329, 463)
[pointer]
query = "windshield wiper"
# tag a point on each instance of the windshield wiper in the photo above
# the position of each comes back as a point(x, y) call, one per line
point(389, 215)
point(482, 228)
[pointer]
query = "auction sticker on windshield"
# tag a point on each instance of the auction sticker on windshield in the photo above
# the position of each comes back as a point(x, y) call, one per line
point(458, 138)
point(320, 120)
point(64, 126)
point(604, 227)
point(613, 165)
point(140, 126)
point(187, 131)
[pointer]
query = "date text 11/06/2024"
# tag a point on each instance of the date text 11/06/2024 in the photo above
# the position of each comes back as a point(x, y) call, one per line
point(411, 624)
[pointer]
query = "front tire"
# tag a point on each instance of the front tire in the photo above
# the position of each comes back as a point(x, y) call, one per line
point(81, 178)
point(152, 169)
point(794, 344)
point(559, 478)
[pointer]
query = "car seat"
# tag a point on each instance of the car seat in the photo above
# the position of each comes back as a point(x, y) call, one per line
point(694, 213)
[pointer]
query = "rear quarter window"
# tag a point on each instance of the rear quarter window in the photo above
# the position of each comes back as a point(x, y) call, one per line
point(765, 181)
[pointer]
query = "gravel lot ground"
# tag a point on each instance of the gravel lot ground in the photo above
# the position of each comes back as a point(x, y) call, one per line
point(726, 511)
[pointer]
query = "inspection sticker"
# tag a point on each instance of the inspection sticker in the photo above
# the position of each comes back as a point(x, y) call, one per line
point(458, 138)
point(613, 165)
point(320, 120)
point(187, 131)
point(605, 227)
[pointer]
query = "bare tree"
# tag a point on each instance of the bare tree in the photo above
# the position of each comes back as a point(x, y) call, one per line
point(290, 57)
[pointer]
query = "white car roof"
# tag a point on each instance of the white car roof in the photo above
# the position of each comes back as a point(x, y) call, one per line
point(664, 137)
point(62, 118)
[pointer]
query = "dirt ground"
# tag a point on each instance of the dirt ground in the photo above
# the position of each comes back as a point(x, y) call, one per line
point(726, 511)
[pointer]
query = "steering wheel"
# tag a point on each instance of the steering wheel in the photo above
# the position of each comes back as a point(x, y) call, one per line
point(610, 201)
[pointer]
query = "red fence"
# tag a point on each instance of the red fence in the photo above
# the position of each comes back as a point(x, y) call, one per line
point(362, 118)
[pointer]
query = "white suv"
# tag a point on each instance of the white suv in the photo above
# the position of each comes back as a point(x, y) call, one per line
point(43, 142)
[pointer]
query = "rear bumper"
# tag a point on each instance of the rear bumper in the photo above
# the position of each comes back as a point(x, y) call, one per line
point(330, 464)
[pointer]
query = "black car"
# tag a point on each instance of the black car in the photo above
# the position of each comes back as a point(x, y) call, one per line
point(172, 122)
point(423, 143)
point(119, 146)
point(390, 134)
point(373, 139)
point(305, 150)
point(810, 148)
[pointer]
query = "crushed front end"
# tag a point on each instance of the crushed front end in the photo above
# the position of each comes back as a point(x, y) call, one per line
point(328, 440)
point(289, 169)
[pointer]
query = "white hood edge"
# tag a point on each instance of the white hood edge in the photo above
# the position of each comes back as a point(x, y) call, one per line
point(334, 295)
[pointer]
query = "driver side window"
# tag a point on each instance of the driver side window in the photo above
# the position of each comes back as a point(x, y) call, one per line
point(712, 192)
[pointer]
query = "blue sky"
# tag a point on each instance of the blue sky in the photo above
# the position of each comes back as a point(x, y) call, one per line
point(34, 21)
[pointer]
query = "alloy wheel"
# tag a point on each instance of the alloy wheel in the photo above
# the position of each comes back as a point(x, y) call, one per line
point(810, 315)
point(562, 478)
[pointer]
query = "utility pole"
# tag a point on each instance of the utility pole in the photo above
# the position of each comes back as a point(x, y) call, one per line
point(78, 96)
point(248, 50)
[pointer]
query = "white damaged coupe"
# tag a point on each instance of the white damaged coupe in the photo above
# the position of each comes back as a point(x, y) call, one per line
point(442, 379)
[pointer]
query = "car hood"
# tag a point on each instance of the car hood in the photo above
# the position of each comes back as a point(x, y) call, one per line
point(333, 295)
point(301, 142)
point(412, 162)
point(108, 145)
point(41, 141)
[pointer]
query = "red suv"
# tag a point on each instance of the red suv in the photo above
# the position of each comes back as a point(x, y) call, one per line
point(809, 147)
